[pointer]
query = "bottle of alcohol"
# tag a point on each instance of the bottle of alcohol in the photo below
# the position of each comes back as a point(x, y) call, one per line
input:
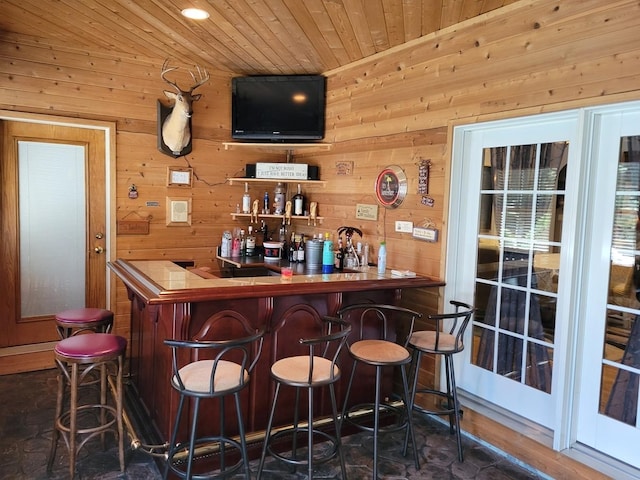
point(340, 255)
point(265, 203)
point(246, 199)
point(292, 248)
point(243, 244)
point(279, 195)
point(298, 202)
point(301, 249)
point(251, 242)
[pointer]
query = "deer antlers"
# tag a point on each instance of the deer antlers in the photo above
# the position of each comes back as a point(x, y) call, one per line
point(202, 74)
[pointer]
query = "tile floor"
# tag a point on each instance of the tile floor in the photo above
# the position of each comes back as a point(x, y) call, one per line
point(27, 404)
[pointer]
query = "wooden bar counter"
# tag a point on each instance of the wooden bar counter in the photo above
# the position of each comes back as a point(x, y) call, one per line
point(168, 301)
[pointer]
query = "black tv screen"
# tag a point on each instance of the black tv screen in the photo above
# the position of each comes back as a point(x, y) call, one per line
point(278, 108)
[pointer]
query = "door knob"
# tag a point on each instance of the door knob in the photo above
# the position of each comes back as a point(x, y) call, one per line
point(99, 235)
point(98, 249)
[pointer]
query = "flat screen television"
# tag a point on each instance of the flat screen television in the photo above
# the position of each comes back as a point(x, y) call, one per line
point(278, 108)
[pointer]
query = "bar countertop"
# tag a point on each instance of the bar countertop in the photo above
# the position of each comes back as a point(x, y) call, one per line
point(162, 281)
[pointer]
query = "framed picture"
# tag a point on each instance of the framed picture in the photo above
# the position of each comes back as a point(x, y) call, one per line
point(178, 212)
point(179, 177)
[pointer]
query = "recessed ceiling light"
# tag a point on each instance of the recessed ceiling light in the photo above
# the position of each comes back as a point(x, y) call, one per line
point(195, 13)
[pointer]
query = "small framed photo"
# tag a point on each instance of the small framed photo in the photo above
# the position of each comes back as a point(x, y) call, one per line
point(178, 212)
point(179, 177)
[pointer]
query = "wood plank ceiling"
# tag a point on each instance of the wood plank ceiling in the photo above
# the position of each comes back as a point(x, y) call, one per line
point(240, 36)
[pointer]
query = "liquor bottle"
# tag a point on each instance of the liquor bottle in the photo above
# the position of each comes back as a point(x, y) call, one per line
point(243, 244)
point(298, 202)
point(279, 195)
point(292, 248)
point(301, 249)
point(246, 199)
point(282, 238)
point(265, 203)
point(251, 242)
point(340, 255)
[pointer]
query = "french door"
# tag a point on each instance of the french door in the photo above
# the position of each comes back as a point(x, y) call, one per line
point(509, 256)
point(608, 404)
point(545, 241)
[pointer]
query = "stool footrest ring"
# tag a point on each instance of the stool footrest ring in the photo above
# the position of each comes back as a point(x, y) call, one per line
point(323, 457)
point(203, 449)
point(386, 411)
point(442, 411)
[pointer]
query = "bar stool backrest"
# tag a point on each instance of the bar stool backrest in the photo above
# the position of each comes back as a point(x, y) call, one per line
point(452, 325)
point(225, 337)
point(328, 346)
point(381, 321)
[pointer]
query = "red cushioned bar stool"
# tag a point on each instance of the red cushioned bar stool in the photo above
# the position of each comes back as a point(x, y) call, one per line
point(76, 357)
point(79, 320)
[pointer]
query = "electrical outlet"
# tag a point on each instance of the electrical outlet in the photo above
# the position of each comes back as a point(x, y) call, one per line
point(405, 227)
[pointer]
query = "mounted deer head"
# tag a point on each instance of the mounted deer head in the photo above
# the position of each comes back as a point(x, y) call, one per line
point(176, 127)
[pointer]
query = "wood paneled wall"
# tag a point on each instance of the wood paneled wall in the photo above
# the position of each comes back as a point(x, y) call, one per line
point(396, 108)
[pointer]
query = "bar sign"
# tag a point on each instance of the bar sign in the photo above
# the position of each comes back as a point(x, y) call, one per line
point(285, 171)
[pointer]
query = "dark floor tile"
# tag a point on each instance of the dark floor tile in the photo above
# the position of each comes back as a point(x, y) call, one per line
point(27, 405)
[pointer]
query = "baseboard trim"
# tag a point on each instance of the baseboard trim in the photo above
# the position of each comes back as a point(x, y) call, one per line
point(26, 358)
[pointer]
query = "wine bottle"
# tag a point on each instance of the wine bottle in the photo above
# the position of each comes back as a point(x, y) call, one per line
point(298, 202)
point(301, 249)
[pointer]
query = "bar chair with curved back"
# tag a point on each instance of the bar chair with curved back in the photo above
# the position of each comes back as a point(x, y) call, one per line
point(207, 367)
point(386, 348)
point(446, 340)
point(316, 369)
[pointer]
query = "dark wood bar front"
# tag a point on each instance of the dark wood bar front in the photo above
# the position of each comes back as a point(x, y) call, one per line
point(168, 301)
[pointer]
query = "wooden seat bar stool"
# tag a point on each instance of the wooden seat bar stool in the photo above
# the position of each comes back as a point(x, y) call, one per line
point(81, 320)
point(446, 340)
point(216, 364)
point(315, 368)
point(77, 357)
point(387, 348)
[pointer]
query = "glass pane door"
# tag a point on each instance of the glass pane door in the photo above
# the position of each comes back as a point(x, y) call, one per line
point(608, 405)
point(509, 256)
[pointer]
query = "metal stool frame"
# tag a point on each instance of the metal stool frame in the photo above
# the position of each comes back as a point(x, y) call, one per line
point(225, 354)
point(322, 370)
point(383, 316)
point(446, 340)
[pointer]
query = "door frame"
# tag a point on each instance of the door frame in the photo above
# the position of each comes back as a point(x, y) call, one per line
point(40, 356)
